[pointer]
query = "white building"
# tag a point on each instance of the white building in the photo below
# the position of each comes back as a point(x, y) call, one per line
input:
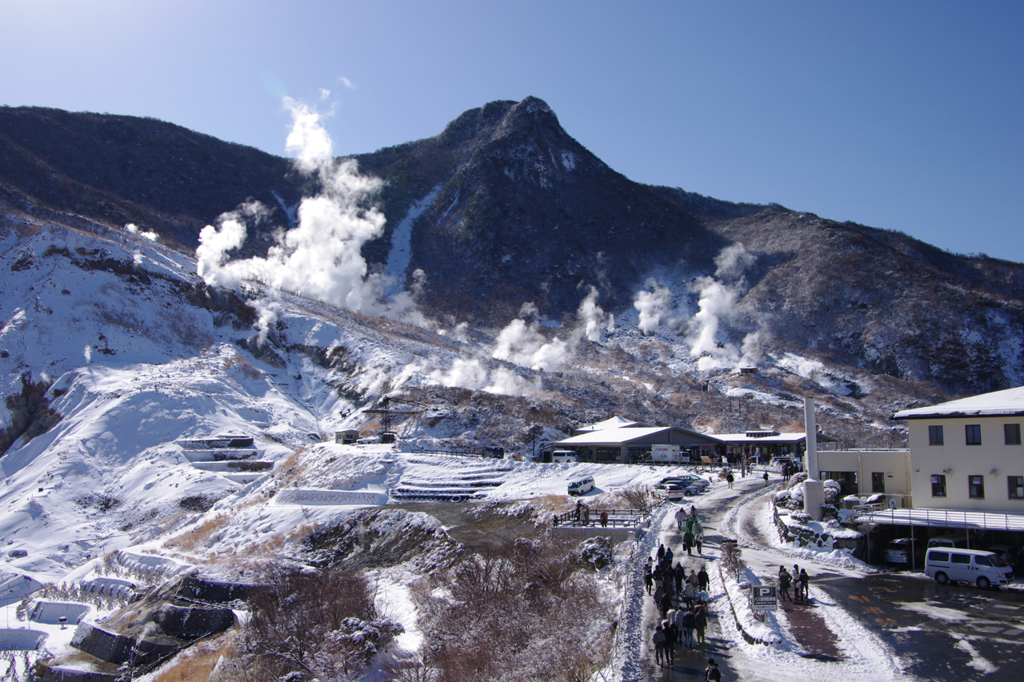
point(967, 454)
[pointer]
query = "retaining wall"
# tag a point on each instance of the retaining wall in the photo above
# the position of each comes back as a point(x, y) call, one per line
point(52, 611)
point(20, 639)
point(800, 534)
point(308, 497)
point(617, 535)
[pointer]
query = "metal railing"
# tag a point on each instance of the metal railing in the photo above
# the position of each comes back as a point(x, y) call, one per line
point(629, 518)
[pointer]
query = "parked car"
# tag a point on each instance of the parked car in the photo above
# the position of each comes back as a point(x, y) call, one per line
point(670, 492)
point(1008, 553)
point(564, 456)
point(905, 552)
point(695, 481)
point(951, 540)
point(581, 486)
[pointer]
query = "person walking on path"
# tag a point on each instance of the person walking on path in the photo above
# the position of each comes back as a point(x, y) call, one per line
point(659, 646)
point(604, 518)
point(699, 541)
point(665, 605)
point(680, 575)
point(688, 595)
point(668, 585)
point(680, 518)
point(804, 584)
point(729, 478)
point(669, 555)
point(688, 541)
point(671, 636)
point(702, 578)
point(765, 477)
point(712, 673)
point(785, 579)
point(648, 580)
point(693, 579)
point(689, 625)
point(700, 616)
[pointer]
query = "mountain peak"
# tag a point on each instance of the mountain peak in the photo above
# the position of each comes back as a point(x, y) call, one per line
point(500, 118)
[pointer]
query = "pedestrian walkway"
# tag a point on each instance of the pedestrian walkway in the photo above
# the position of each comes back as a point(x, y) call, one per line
point(806, 625)
point(811, 631)
point(690, 664)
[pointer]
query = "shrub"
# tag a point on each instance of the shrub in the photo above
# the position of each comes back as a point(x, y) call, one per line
point(313, 624)
point(523, 611)
point(637, 497)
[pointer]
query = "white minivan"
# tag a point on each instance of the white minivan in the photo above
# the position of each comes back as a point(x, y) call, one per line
point(564, 456)
point(581, 486)
point(951, 564)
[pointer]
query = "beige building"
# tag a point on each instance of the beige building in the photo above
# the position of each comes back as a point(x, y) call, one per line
point(967, 454)
point(868, 472)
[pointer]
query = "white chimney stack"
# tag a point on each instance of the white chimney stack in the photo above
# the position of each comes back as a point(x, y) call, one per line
point(811, 426)
point(814, 490)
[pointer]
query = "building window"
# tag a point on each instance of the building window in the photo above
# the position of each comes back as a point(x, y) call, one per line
point(976, 487)
point(1012, 433)
point(877, 481)
point(1016, 485)
point(934, 435)
point(847, 481)
point(973, 432)
point(939, 485)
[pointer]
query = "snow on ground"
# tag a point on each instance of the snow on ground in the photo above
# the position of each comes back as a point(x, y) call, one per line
point(867, 657)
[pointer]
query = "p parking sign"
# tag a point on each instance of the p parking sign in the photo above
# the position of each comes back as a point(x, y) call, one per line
point(762, 598)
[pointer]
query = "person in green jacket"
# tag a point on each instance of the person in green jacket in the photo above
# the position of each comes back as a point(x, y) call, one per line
point(688, 542)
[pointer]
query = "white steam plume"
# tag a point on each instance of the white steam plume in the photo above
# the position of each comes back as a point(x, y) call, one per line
point(655, 305)
point(473, 375)
point(522, 343)
point(733, 261)
point(592, 318)
point(321, 256)
point(717, 306)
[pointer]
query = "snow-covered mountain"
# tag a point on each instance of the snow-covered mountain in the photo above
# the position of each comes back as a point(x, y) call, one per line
point(119, 339)
point(498, 283)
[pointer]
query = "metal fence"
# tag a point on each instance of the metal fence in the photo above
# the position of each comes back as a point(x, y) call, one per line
point(630, 518)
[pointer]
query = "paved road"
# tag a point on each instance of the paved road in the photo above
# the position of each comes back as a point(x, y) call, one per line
point(940, 632)
point(691, 665)
point(944, 633)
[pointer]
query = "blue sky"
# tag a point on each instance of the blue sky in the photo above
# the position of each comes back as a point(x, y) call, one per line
point(906, 116)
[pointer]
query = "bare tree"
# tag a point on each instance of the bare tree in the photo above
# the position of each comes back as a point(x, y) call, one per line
point(638, 497)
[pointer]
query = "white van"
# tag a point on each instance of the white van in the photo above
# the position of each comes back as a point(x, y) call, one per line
point(564, 456)
point(984, 569)
point(581, 486)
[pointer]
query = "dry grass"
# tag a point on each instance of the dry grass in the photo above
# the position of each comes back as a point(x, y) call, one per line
point(188, 541)
point(556, 504)
point(196, 664)
point(291, 470)
point(247, 370)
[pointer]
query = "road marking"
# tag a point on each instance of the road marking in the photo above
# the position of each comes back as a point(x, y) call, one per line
point(991, 630)
point(860, 598)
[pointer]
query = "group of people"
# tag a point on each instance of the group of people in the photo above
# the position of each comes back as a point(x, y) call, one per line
point(681, 600)
point(686, 627)
point(798, 579)
point(582, 514)
point(693, 536)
